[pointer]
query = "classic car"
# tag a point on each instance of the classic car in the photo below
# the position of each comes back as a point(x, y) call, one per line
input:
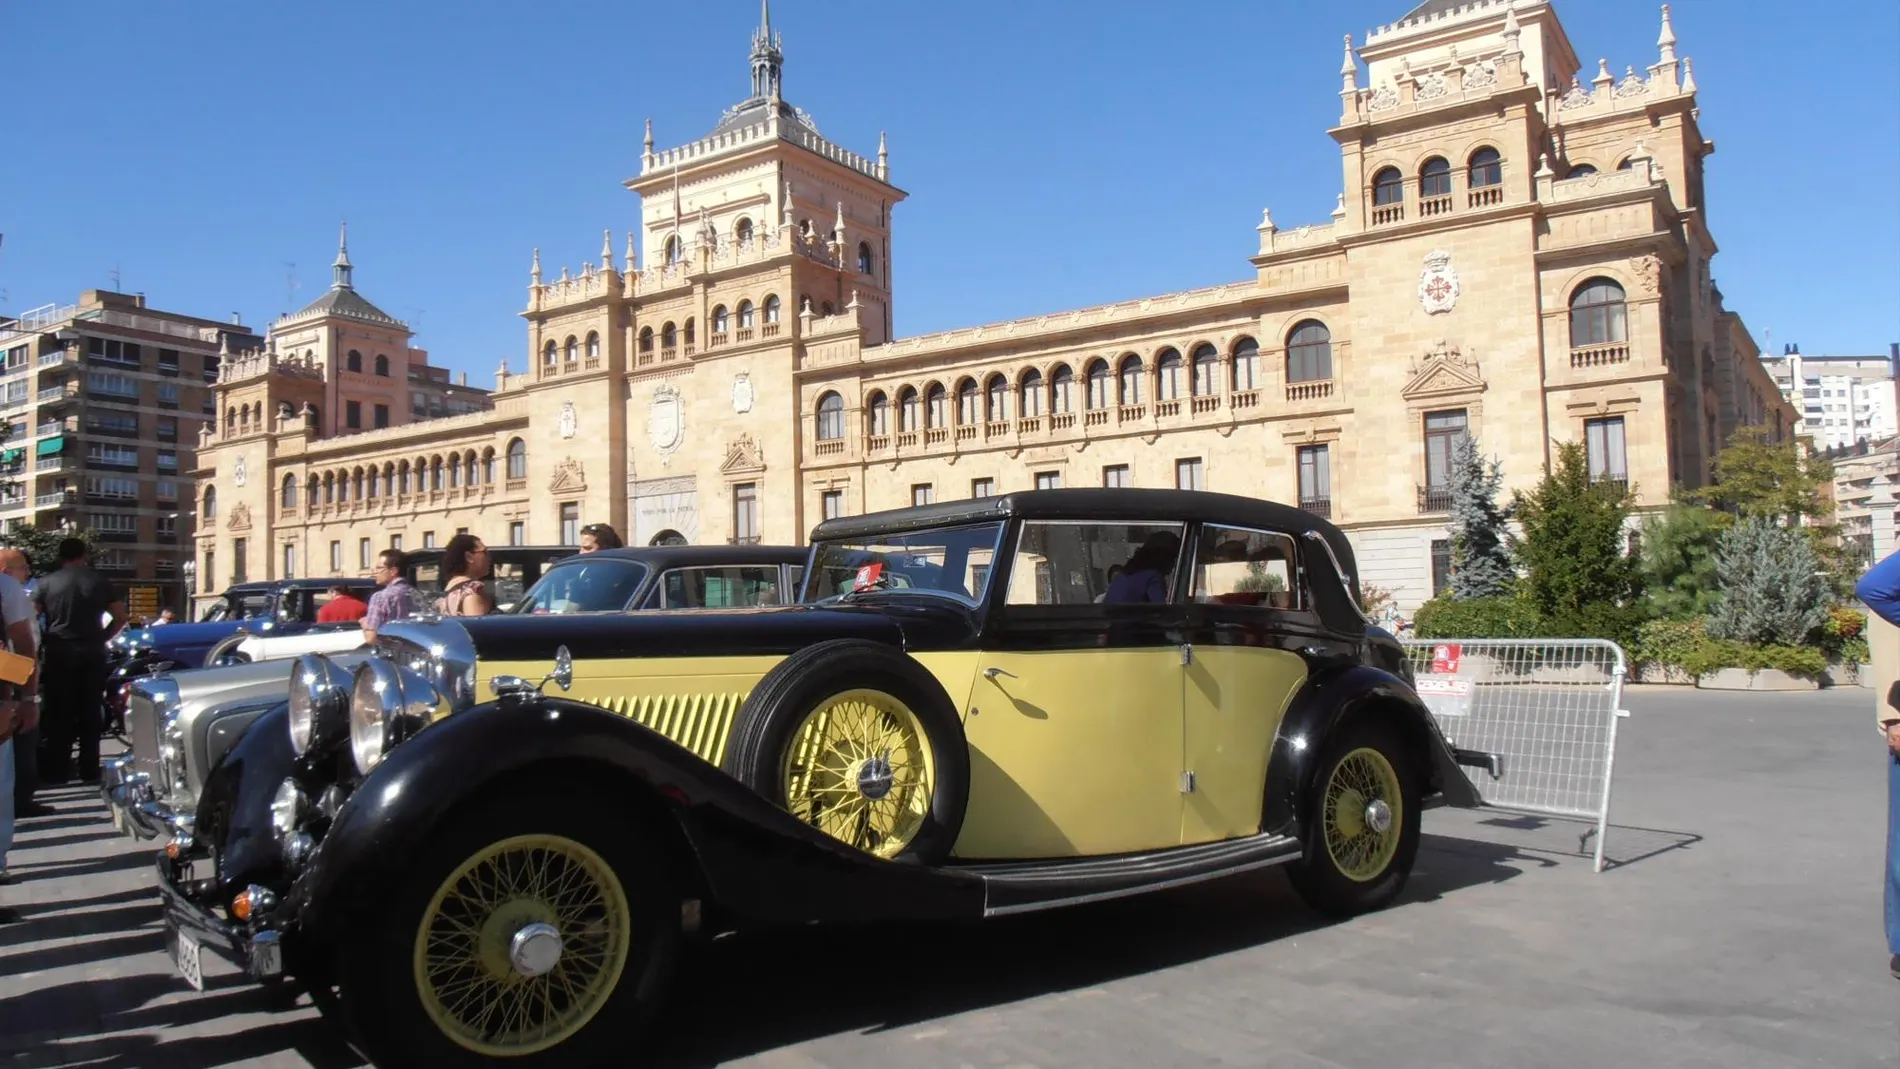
point(181, 724)
point(980, 708)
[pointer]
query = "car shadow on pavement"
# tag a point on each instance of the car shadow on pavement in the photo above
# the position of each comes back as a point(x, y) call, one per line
point(1575, 837)
point(972, 966)
point(75, 925)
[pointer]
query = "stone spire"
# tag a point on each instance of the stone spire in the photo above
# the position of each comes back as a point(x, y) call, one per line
point(1349, 71)
point(1688, 75)
point(767, 60)
point(1512, 32)
point(646, 152)
point(340, 269)
point(837, 227)
point(607, 250)
point(535, 275)
point(883, 159)
point(1666, 41)
point(629, 268)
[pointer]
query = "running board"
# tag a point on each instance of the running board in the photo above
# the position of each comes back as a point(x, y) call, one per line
point(1025, 886)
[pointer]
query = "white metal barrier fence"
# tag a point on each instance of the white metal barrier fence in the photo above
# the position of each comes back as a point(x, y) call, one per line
point(1547, 707)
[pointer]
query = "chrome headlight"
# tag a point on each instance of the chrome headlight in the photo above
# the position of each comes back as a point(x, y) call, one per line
point(287, 807)
point(319, 702)
point(388, 703)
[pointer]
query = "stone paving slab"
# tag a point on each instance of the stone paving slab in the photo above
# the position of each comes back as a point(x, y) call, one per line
point(1738, 926)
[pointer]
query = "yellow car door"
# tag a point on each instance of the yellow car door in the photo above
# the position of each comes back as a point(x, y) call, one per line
point(1074, 723)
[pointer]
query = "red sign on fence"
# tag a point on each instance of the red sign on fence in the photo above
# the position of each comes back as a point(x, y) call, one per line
point(1445, 658)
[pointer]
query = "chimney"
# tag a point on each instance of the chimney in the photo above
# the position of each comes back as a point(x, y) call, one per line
point(462, 379)
point(236, 319)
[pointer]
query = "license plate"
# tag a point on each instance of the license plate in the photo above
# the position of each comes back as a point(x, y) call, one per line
point(185, 955)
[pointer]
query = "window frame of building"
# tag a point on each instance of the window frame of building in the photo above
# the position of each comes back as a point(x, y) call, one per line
point(1440, 566)
point(830, 416)
point(1245, 373)
point(1606, 449)
point(1443, 430)
point(1190, 473)
point(1315, 466)
point(922, 494)
point(428, 540)
point(353, 415)
point(1388, 187)
point(1117, 476)
point(1434, 178)
point(831, 504)
point(1599, 313)
point(1168, 374)
point(570, 520)
point(517, 533)
point(517, 458)
point(363, 553)
point(981, 488)
point(745, 513)
point(1484, 169)
point(240, 560)
point(1048, 480)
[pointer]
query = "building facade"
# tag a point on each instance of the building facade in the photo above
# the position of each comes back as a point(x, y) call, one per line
point(104, 401)
point(1516, 255)
point(1841, 400)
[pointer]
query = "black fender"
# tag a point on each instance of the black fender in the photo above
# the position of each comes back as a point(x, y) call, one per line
point(752, 857)
point(1328, 699)
point(234, 808)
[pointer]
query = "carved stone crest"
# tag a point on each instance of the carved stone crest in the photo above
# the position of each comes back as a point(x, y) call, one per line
point(570, 422)
point(742, 457)
point(1438, 283)
point(238, 474)
point(240, 518)
point(666, 419)
point(1385, 97)
point(1648, 271)
point(568, 477)
point(742, 393)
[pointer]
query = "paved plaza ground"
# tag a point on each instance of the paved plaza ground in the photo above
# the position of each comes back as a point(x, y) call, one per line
point(1738, 927)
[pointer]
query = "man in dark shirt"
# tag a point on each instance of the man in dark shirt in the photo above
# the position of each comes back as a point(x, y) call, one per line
point(82, 613)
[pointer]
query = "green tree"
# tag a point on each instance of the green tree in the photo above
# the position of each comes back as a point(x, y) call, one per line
point(1677, 562)
point(41, 545)
point(1774, 592)
point(1480, 560)
point(1758, 476)
point(1260, 581)
point(1578, 575)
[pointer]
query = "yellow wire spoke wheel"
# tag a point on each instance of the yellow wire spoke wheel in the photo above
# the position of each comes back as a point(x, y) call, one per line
point(1363, 816)
point(859, 769)
point(522, 945)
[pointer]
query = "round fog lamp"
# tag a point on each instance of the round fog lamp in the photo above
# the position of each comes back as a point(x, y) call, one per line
point(286, 808)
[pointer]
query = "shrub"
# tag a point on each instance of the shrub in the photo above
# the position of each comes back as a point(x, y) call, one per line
point(1668, 642)
point(1678, 561)
point(1773, 589)
point(1686, 645)
point(1444, 617)
point(1578, 573)
point(1480, 562)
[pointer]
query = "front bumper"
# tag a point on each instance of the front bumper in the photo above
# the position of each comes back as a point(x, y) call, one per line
point(135, 809)
point(254, 946)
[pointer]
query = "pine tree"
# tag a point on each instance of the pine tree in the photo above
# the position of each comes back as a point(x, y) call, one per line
point(1578, 572)
point(1774, 591)
point(1480, 560)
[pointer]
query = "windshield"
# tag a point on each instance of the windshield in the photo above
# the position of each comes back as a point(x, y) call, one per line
point(591, 586)
point(953, 561)
point(245, 606)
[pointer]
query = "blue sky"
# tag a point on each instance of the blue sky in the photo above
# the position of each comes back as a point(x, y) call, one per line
point(1055, 154)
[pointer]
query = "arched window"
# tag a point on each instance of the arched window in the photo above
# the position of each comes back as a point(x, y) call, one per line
point(211, 505)
point(290, 492)
point(356, 483)
point(1598, 314)
point(1434, 179)
point(1029, 397)
point(1487, 169)
point(720, 320)
point(1581, 170)
point(571, 350)
point(230, 419)
point(1309, 352)
point(488, 465)
point(1246, 364)
point(1388, 187)
point(996, 399)
point(408, 483)
point(745, 314)
point(389, 478)
point(864, 258)
point(1627, 164)
point(771, 309)
point(517, 459)
point(687, 334)
point(830, 416)
point(669, 336)
point(880, 411)
point(1206, 381)
point(551, 353)
point(468, 469)
point(374, 484)
point(1130, 374)
point(1097, 376)
point(908, 410)
point(329, 488)
point(355, 360)
point(454, 467)
point(742, 231)
point(593, 346)
point(673, 249)
point(966, 402)
point(342, 487)
point(382, 365)
point(1168, 375)
point(646, 339)
point(1061, 391)
point(937, 407)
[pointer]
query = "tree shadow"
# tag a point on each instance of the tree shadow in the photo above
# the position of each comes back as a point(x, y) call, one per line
point(74, 925)
point(63, 870)
point(25, 841)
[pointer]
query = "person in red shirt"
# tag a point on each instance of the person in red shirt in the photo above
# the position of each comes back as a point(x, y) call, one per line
point(343, 608)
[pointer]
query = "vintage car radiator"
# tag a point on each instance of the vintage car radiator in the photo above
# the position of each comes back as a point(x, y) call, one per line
point(147, 705)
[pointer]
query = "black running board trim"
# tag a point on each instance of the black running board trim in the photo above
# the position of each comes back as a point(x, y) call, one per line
point(1023, 887)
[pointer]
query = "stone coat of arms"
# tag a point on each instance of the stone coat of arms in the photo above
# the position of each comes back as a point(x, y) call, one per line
point(666, 419)
point(238, 474)
point(1438, 283)
point(570, 422)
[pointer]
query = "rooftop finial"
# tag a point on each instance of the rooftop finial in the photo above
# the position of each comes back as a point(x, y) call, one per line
point(837, 227)
point(1666, 41)
point(649, 141)
point(629, 268)
point(1348, 69)
point(536, 273)
point(340, 270)
point(606, 249)
point(1511, 30)
point(767, 60)
point(1688, 75)
point(883, 159)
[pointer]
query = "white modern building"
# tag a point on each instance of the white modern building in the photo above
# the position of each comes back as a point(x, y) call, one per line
point(1842, 399)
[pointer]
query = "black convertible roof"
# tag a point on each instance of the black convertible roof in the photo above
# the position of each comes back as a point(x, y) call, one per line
point(1104, 503)
point(689, 556)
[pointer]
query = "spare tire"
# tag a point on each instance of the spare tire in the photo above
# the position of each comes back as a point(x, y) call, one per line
point(859, 741)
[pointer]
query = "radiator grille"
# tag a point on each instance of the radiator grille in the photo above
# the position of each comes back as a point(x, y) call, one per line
point(698, 722)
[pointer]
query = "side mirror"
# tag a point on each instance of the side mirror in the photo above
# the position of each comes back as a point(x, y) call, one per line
point(563, 668)
point(517, 687)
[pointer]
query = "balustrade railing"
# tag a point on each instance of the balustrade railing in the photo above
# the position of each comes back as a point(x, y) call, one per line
point(1600, 355)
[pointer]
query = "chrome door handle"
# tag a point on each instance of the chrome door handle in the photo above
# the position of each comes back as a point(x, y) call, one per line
point(991, 674)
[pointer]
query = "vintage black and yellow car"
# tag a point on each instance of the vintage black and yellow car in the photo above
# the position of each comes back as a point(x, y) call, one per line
point(503, 827)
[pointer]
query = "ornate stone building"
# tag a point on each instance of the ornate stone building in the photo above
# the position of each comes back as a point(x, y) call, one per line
point(1517, 255)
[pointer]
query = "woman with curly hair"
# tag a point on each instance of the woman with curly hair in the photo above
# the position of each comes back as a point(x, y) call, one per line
point(465, 565)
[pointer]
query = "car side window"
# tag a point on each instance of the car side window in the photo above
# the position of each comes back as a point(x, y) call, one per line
point(1240, 566)
point(1065, 563)
point(720, 587)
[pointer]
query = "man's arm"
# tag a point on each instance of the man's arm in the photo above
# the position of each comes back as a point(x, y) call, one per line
point(1879, 589)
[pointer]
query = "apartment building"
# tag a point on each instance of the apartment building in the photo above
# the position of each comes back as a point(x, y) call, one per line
point(103, 400)
point(1843, 400)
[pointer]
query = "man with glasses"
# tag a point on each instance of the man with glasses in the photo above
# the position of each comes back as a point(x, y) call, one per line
point(394, 597)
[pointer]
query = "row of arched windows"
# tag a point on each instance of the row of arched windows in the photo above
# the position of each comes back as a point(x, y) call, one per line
point(552, 353)
point(354, 362)
point(424, 474)
point(1127, 381)
point(744, 315)
point(1483, 168)
point(243, 418)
